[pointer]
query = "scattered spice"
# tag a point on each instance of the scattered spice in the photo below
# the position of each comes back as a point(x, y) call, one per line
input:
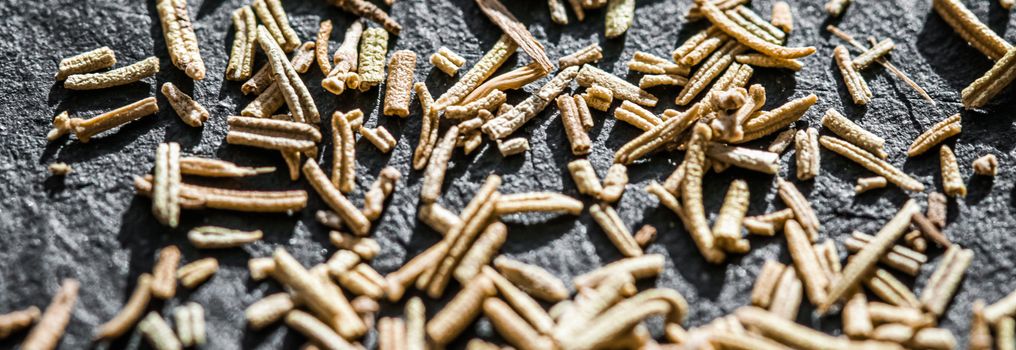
point(268, 310)
point(946, 279)
point(289, 137)
point(855, 83)
point(429, 128)
point(853, 133)
point(637, 267)
point(59, 169)
point(786, 299)
point(899, 257)
point(782, 17)
point(659, 135)
point(691, 195)
point(474, 217)
point(865, 184)
point(935, 134)
point(447, 61)
point(131, 312)
point(379, 191)
point(980, 331)
point(768, 224)
point(803, 212)
point(577, 136)
point(365, 9)
point(324, 300)
point(713, 67)
point(615, 229)
point(512, 80)
point(952, 181)
point(806, 261)
point(807, 154)
point(982, 90)
point(507, 123)
point(930, 230)
point(513, 327)
point(399, 88)
point(513, 28)
point(598, 97)
point(620, 15)
point(416, 319)
point(190, 324)
point(637, 116)
point(765, 283)
point(1005, 339)
point(86, 62)
point(197, 272)
point(214, 237)
point(883, 61)
point(742, 35)
point(299, 100)
point(344, 61)
point(856, 320)
point(351, 216)
point(986, 165)
point(321, 46)
point(489, 102)
point(380, 138)
point(528, 308)
point(201, 197)
point(117, 77)
point(537, 202)
point(700, 46)
point(272, 16)
point(400, 279)
point(16, 321)
point(532, 279)
point(645, 235)
point(618, 87)
point(937, 207)
point(481, 252)
point(836, 7)
point(973, 31)
point(433, 177)
point(461, 310)
point(192, 113)
point(763, 123)
point(695, 11)
point(864, 261)
point(241, 55)
point(585, 177)
point(782, 141)
point(218, 168)
point(391, 333)
point(315, 330)
point(588, 54)
point(872, 163)
point(157, 332)
point(371, 68)
point(482, 70)
point(343, 151)
point(876, 51)
point(181, 42)
point(614, 183)
point(166, 186)
point(51, 326)
point(760, 60)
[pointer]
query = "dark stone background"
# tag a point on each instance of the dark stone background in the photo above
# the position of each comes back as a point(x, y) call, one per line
point(91, 226)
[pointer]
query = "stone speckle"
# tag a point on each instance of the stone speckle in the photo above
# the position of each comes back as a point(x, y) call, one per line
point(92, 227)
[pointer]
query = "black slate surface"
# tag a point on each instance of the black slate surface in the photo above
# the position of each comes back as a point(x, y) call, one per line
point(91, 226)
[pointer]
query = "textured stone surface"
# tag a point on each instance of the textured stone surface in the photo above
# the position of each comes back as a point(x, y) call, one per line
point(92, 227)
